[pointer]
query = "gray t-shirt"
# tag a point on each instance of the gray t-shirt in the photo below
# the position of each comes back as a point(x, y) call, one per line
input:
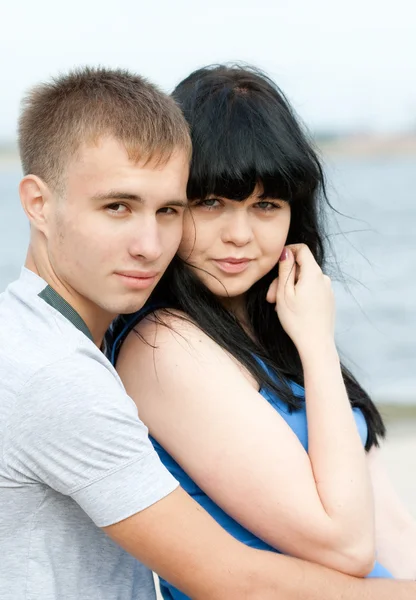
point(74, 457)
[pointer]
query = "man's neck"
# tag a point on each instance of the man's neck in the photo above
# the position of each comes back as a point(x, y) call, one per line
point(85, 315)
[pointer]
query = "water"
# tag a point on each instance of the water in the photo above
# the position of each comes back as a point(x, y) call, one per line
point(376, 312)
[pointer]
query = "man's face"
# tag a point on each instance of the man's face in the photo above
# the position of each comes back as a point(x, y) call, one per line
point(116, 228)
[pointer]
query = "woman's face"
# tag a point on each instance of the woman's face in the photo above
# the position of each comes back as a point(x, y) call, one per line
point(234, 244)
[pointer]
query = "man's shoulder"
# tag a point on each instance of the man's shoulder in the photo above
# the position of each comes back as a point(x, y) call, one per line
point(25, 319)
point(38, 343)
point(47, 372)
point(73, 391)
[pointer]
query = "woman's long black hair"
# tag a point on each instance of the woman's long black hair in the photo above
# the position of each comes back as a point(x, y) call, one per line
point(245, 134)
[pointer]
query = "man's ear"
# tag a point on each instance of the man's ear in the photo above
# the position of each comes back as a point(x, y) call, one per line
point(35, 197)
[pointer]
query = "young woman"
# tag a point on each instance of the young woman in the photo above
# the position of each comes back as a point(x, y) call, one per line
point(233, 365)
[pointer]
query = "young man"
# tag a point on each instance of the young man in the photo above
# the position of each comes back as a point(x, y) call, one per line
point(82, 493)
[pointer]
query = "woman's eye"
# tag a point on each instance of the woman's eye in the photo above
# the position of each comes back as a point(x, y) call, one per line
point(264, 205)
point(209, 203)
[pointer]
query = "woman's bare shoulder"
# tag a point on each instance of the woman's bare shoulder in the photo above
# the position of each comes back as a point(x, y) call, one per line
point(166, 334)
point(169, 339)
point(168, 326)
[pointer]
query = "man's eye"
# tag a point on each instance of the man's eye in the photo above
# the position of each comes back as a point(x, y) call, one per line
point(168, 210)
point(117, 208)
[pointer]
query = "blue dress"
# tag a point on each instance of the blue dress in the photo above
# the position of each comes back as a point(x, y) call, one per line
point(297, 421)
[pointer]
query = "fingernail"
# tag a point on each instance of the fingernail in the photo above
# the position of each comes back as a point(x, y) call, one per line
point(284, 255)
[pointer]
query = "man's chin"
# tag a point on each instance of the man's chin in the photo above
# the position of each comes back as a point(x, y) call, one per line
point(129, 308)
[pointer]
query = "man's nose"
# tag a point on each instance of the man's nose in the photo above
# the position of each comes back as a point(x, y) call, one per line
point(146, 241)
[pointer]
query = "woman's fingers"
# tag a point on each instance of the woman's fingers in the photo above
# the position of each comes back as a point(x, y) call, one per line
point(295, 264)
point(304, 259)
point(272, 291)
point(287, 272)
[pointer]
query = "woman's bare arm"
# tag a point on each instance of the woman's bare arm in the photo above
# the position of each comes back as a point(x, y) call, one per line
point(198, 404)
point(395, 527)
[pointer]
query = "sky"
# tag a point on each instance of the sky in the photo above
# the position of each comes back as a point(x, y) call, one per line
point(344, 65)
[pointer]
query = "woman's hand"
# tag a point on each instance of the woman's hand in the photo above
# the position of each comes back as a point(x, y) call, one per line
point(304, 298)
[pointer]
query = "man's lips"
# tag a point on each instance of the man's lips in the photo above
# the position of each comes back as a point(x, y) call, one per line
point(138, 279)
point(138, 274)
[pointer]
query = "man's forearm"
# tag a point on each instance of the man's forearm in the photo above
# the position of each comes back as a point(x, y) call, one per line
point(178, 540)
point(294, 579)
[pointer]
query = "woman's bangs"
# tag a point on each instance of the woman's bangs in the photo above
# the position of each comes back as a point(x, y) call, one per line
point(236, 171)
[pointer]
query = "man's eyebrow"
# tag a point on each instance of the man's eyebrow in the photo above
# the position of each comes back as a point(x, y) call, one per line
point(182, 203)
point(117, 195)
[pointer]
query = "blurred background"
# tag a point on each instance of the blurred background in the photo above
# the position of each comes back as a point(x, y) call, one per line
point(349, 71)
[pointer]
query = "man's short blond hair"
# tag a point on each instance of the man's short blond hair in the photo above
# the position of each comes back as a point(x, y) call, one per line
point(89, 103)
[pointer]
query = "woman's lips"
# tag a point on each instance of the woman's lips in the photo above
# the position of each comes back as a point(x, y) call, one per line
point(232, 265)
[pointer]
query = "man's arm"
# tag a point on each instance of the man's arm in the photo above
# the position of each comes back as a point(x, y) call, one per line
point(178, 540)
